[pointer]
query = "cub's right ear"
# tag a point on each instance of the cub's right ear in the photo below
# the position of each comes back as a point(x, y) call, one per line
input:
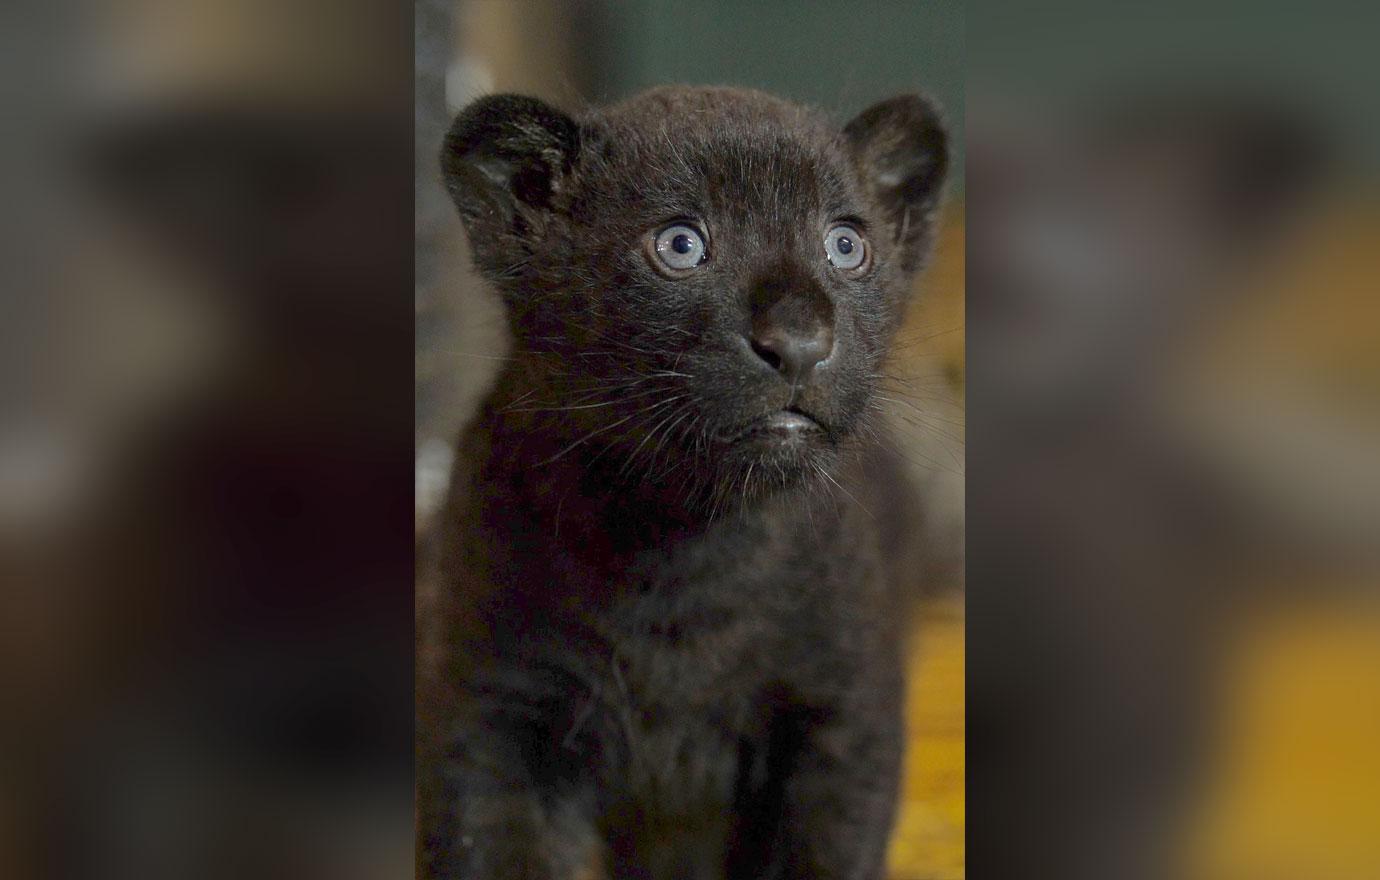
point(505, 161)
point(901, 148)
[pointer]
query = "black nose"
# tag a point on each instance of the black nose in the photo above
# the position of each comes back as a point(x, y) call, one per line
point(793, 353)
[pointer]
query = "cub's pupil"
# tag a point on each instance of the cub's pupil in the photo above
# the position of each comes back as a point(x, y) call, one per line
point(844, 245)
point(682, 244)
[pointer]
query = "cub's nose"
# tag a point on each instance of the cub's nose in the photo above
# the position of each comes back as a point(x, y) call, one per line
point(793, 353)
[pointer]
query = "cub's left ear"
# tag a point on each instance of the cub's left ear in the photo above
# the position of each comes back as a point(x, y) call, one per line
point(901, 149)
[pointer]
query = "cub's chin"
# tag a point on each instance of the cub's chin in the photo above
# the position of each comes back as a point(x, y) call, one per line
point(777, 450)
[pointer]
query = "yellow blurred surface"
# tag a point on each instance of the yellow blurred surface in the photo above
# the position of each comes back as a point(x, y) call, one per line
point(1295, 789)
point(929, 839)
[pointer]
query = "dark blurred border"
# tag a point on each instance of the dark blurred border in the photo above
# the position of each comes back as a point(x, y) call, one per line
point(206, 449)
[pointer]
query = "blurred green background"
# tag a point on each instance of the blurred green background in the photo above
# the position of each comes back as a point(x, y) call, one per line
point(841, 56)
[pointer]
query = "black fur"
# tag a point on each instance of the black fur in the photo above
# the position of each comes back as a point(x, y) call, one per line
point(668, 639)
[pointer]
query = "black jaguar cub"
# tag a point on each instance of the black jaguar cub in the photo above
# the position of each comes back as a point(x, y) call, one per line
point(669, 629)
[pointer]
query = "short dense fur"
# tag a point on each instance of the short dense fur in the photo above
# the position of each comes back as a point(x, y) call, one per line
point(668, 647)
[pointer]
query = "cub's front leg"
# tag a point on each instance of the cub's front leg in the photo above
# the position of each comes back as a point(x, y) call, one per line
point(841, 788)
point(496, 817)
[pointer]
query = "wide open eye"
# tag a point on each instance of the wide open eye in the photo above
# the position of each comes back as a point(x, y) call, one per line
point(845, 247)
point(679, 247)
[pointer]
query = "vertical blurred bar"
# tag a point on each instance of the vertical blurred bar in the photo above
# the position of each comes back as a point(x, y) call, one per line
point(1174, 394)
point(205, 439)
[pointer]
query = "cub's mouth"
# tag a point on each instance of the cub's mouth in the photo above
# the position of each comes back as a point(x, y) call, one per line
point(782, 427)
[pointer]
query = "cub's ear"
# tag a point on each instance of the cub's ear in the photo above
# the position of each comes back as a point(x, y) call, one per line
point(505, 161)
point(901, 149)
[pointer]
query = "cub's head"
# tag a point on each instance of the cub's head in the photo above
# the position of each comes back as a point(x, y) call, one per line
point(702, 282)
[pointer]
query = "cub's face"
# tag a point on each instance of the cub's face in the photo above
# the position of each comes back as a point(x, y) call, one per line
point(707, 278)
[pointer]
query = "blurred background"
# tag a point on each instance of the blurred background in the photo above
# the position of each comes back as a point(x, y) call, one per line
point(839, 57)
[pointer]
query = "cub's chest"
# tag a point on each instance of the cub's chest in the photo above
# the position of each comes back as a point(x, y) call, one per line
point(688, 654)
point(681, 721)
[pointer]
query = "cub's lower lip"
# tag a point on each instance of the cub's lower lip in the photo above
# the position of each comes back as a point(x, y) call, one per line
point(789, 421)
point(784, 425)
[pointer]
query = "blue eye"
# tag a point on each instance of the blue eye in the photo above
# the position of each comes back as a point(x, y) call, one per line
point(845, 247)
point(679, 247)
